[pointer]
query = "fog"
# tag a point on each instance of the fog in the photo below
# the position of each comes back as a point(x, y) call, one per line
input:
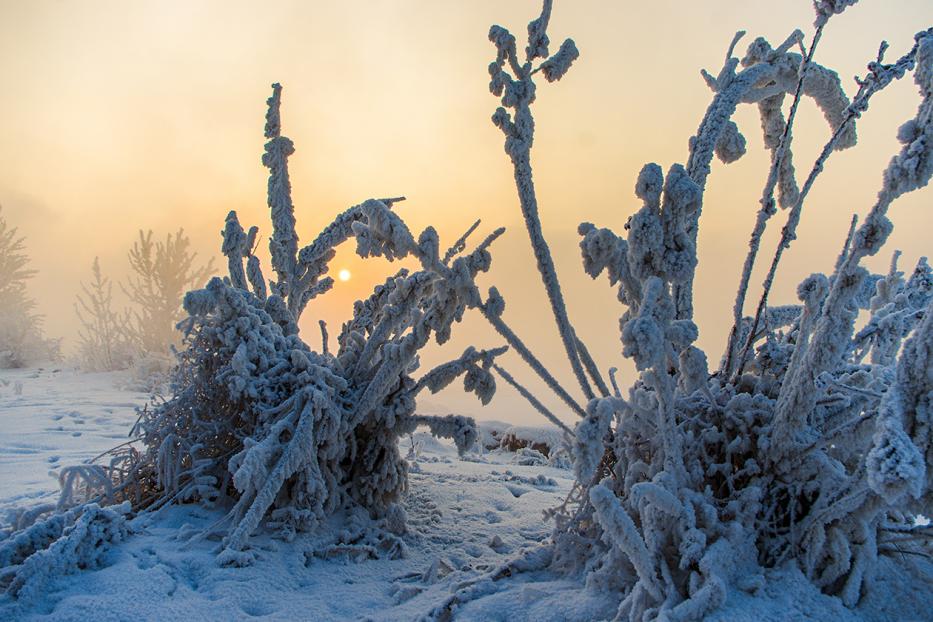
point(124, 116)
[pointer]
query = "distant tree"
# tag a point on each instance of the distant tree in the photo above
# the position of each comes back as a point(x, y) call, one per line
point(21, 340)
point(105, 340)
point(162, 273)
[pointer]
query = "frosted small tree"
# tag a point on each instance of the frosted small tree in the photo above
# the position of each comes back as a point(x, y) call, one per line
point(162, 273)
point(21, 340)
point(104, 337)
point(289, 435)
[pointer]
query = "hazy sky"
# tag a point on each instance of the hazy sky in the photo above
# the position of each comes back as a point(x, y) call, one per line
point(123, 115)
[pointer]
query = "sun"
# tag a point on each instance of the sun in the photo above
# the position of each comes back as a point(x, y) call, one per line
point(344, 275)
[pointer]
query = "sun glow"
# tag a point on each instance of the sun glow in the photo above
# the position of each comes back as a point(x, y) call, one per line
point(344, 275)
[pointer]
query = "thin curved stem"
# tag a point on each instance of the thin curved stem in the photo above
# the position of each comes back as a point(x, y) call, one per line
point(516, 344)
point(542, 252)
point(541, 408)
point(767, 208)
point(788, 234)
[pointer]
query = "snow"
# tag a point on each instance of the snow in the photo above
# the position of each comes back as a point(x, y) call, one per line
point(464, 518)
point(61, 418)
point(455, 509)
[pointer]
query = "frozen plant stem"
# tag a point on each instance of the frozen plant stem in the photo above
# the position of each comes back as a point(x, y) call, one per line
point(541, 408)
point(323, 326)
point(591, 368)
point(848, 243)
point(518, 93)
point(283, 245)
point(460, 244)
point(769, 75)
point(529, 204)
point(880, 76)
point(788, 234)
point(767, 206)
point(518, 345)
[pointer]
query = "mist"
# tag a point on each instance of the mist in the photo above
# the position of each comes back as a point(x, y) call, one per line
point(126, 116)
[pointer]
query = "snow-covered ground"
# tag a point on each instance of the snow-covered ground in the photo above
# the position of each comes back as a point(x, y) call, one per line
point(465, 518)
point(52, 417)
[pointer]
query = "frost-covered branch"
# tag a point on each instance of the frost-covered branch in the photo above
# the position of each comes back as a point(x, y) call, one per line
point(517, 92)
point(474, 364)
point(768, 75)
point(879, 76)
point(778, 138)
point(528, 395)
point(283, 244)
point(492, 311)
point(909, 170)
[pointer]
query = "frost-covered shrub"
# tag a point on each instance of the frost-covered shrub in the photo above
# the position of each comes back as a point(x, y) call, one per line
point(542, 439)
point(21, 339)
point(161, 274)
point(104, 340)
point(812, 440)
point(62, 544)
point(289, 434)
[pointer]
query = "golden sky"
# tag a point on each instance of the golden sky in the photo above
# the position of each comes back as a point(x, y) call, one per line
point(117, 116)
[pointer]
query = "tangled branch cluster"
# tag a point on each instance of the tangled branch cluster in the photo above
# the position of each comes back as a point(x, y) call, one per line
point(797, 447)
point(291, 434)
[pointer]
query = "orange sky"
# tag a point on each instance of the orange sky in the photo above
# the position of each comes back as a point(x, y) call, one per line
point(117, 116)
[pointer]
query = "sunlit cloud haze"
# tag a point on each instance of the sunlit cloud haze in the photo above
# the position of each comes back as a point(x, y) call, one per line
point(117, 116)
